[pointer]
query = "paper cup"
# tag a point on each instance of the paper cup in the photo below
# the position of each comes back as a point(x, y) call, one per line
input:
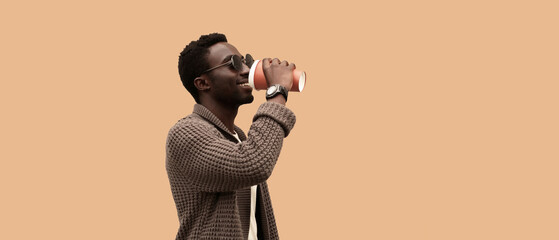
point(257, 80)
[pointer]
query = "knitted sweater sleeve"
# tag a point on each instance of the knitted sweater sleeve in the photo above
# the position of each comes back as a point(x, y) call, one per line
point(208, 162)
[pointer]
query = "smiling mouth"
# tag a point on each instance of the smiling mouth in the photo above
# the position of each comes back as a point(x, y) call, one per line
point(243, 84)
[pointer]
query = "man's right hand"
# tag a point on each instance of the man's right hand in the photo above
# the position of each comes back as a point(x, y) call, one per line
point(277, 72)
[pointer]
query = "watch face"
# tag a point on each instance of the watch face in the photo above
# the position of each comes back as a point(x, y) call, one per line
point(271, 89)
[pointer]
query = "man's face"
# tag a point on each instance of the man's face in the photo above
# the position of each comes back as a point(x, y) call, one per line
point(227, 84)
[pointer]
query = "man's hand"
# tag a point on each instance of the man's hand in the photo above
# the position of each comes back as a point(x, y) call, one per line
point(277, 72)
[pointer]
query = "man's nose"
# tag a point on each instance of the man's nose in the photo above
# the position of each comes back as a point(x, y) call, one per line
point(245, 70)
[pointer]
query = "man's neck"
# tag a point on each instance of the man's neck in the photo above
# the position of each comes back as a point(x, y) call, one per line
point(226, 114)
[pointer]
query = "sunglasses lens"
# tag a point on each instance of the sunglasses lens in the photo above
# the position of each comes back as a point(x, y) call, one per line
point(237, 63)
point(249, 60)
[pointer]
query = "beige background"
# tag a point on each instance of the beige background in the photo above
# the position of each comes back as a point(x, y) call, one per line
point(420, 120)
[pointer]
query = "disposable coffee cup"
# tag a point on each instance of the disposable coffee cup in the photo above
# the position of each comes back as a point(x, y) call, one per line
point(257, 80)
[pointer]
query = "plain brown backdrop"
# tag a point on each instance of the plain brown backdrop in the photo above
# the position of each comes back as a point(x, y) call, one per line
point(420, 119)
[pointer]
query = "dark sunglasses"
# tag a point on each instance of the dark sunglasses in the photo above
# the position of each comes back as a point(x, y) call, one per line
point(237, 63)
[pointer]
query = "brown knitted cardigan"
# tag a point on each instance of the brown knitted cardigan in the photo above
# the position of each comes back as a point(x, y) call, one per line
point(208, 170)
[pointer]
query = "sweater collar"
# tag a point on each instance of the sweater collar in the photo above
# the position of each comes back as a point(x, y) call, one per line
point(208, 115)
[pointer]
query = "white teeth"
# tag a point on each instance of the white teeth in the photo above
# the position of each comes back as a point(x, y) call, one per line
point(243, 84)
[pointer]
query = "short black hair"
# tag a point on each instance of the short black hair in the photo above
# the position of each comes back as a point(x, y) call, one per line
point(193, 60)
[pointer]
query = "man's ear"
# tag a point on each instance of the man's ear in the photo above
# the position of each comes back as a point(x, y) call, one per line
point(202, 84)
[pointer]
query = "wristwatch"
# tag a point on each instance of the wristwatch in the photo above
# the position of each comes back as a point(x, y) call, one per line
point(274, 90)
